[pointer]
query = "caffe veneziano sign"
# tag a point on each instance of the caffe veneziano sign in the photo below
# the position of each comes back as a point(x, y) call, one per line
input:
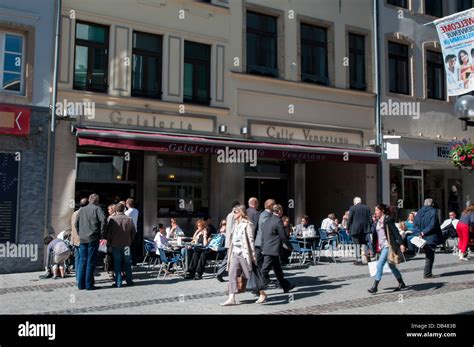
point(307, 136)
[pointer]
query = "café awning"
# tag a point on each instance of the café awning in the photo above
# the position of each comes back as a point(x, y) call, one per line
point(194, 144)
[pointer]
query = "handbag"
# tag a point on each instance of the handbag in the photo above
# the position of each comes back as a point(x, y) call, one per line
point(241, 284)
point(256, 281)
point(394, 257)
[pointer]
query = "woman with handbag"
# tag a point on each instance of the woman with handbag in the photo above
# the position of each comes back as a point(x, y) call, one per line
point(241, 255)
point(386, 235)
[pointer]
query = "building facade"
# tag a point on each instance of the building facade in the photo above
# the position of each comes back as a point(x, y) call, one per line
point(417, 115)
point(26, 65)
point(175, 87)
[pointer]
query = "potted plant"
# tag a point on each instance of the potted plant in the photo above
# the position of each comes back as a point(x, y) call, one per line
point(462, 154)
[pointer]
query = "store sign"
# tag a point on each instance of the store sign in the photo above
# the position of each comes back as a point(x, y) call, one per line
point(307, 136)
point(443, 152)
point(14, 120)
point(9, 193)
point(151, 121)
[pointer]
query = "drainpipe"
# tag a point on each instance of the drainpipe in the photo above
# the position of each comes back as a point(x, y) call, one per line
point(51, 135)
point(378, 120)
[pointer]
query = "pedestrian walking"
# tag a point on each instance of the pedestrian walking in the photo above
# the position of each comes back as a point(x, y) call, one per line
point(387, 237)
point(427, 225)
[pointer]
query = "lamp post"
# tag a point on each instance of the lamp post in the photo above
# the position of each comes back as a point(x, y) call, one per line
point(464, 110)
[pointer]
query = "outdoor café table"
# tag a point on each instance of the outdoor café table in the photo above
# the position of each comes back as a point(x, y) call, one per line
point(311, 241)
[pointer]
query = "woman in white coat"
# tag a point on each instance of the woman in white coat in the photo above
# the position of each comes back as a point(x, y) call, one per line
point(241, 254)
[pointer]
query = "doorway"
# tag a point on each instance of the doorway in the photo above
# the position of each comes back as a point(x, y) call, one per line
point(267, 188)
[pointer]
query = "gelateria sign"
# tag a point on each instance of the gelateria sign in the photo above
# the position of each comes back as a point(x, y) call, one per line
point(151, 121)
point(308, 136)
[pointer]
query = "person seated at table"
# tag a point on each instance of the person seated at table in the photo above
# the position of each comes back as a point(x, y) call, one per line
point(303, 225)
point(161, 241)
point(174, 230)
point(329, 224)
point(410, 223)
point(202, 254)
point(200, 239)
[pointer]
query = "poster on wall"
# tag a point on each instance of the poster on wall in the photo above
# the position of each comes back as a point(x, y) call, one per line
point(456, 35)
point(9, 195)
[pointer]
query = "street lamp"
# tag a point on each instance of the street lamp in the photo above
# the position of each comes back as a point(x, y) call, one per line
point(464, 110)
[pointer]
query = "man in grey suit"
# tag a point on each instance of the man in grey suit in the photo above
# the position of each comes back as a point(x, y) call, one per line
point(359, 225)
point(264, 216)
point(273, 236)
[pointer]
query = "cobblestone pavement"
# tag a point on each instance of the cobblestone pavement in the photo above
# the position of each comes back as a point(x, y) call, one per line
point(325, 288)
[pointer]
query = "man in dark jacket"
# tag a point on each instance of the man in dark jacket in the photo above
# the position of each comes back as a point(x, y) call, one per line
point(90, 225)
point(119, 234)
point(427, 225)
point(273, 236)
point(359, 225)
point(252, 211)
point(262, 219)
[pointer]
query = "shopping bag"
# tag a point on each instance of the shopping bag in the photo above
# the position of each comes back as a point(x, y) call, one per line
point(256, 281)
point(373, 268)
point(103, 246)
point(418, 242)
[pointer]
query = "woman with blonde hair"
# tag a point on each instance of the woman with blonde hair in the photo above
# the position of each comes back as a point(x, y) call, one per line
point(241, 254)
point(465, 224)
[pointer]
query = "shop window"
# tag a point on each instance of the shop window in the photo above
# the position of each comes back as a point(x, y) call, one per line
point(106, 168)
point(314, 54)
point(398, 68)
point(11, 63)
point(146, 65)
point(197, 72)
point(435, 72)
point(91, 57)
point(262, 44)
point(183, 184)
point(357, 62)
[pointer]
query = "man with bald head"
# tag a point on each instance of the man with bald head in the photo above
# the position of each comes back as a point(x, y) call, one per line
point(252, 211)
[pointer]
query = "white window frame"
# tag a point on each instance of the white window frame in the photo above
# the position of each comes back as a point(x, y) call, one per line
point(3, 34)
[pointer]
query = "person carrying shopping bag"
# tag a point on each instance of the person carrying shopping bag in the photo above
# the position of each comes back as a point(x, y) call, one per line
point(386, 235)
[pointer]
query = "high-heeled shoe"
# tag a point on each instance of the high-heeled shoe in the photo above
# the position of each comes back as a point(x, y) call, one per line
point(261, 299)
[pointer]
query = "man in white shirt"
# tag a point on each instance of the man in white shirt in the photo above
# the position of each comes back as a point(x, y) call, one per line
point(329, 225)
point(132, 212)
point(448, 228)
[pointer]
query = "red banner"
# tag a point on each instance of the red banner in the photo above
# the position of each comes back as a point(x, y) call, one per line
point(14, 120)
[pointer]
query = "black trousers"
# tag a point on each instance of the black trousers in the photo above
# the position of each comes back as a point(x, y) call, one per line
point(269, 262)
point(199, 260)
point(221, 271)
point(430, 256)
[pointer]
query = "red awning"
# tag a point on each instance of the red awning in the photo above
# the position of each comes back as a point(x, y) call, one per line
point(191, 144)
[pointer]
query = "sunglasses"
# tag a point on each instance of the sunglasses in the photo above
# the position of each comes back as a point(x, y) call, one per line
point(236, 211)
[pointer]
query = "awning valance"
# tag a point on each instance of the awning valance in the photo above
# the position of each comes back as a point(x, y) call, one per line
point(193, 144)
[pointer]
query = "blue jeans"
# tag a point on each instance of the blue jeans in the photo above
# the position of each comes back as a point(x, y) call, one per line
point(86, 264)
point(121, 257)
point(381, 263)
point(76, 259)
